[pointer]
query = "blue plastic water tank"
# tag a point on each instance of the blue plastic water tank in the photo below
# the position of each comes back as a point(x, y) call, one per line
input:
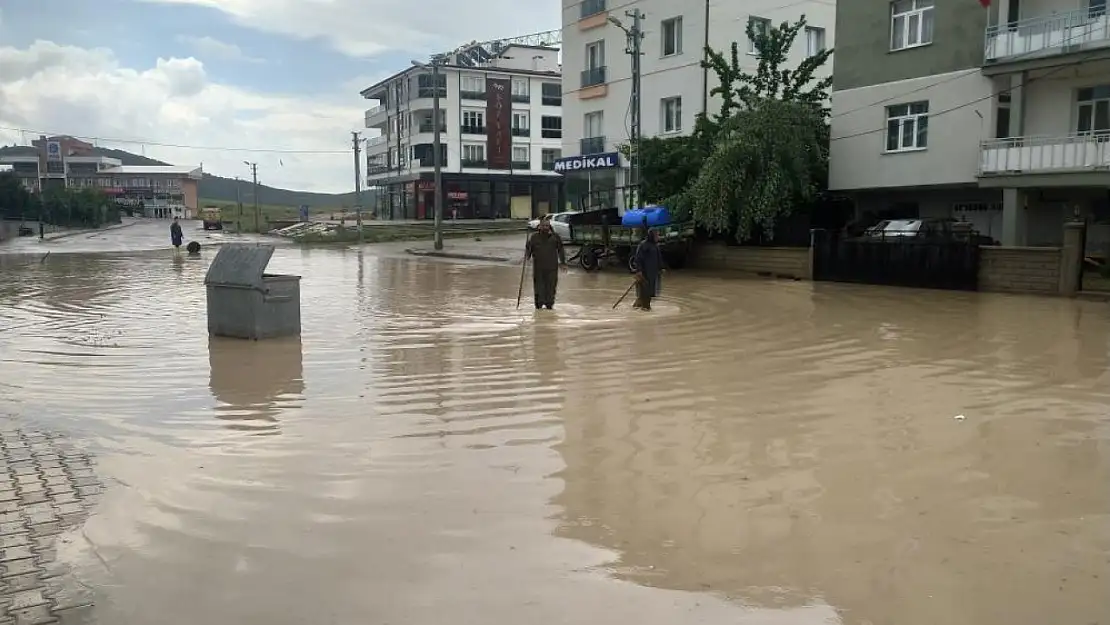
point(656, 216)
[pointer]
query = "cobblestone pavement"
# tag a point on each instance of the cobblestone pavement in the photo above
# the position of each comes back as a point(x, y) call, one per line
point(47, 487)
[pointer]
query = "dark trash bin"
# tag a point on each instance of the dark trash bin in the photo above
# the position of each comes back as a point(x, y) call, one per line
point(246, 302)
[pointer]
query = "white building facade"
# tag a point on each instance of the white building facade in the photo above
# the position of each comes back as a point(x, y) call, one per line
point(999, 116)
point(498, 148)
point(597, 73)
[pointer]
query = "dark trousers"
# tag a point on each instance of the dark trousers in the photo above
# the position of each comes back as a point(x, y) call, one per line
point(645, 290)
point(544, 284)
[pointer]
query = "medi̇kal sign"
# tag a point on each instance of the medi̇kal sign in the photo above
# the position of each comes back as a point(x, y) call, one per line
point(588, 162)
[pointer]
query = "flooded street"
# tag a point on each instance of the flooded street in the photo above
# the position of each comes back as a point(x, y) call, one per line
point(752, 452)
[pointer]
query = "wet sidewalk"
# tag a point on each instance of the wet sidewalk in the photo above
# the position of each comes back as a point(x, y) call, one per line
point(47, 488)
point(64, 234)
point(494, 248)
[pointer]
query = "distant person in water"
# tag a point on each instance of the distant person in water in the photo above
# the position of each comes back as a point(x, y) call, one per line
point(649, 267)
point(176, 236)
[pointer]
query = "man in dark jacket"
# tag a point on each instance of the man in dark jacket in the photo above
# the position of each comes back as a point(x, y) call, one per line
point(176, 236)
point(545, 248)
point(649, 267)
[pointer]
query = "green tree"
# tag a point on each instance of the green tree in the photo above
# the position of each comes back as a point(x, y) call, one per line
point(16, 201)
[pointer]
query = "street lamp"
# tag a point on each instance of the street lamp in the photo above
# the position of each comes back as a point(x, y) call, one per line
point(436, 147)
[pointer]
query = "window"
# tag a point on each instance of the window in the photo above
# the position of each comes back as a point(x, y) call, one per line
point(552, 93)
point(815, 40)
point(759, 26)
point(548, 158)
point(911, 23)
point(1093, 110)
point(473, 153)
point(593, 122)
point(592, 7)
point(672, 36)
point(672, 114)
point(907, 127)
point(1096, 8)
point(474, 122)
point(424, 86)
point(520, 124)
point(520, 154)
point(551, 127)
point(1002, 117)
point(595, 55)
point(473, 86)
point(520, 90)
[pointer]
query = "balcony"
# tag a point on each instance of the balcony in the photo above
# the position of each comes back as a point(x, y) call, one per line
point(522, 132)
point(375, 141)
point(474, 163)
point(428, 92)
point(429, 127)
point(549, 100)
point(375, 116)
point(473, 130)
point(549, 165)
point(1045, 155)
point(551, 133)
point(591, 145)
point(1047, 35)
point(373, 169)
point(473, 95)
point(593, 77)
point(591, 7)
point(521, 98)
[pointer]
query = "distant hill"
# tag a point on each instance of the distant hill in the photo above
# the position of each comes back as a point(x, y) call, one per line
point(219, 188)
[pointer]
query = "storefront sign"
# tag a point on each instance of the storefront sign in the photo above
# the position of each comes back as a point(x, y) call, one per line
point(499, 116)
point(53, 150)
point(589, 162)
point(458, 196)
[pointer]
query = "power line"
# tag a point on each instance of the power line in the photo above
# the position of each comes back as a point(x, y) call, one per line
point(173, 145)
point(972, 102)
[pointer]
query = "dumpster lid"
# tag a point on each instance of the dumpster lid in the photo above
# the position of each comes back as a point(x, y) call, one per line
point(240, 265)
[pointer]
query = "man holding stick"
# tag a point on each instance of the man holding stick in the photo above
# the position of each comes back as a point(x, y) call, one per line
point(649, 267)
point(545, 249)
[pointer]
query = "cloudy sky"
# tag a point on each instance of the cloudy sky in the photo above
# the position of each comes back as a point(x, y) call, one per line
point(276, 76)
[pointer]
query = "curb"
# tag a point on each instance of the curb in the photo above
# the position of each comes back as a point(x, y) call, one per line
point(66, 235)
point(458, 256)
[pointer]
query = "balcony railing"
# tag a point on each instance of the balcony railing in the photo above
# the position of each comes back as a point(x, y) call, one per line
point(374, 112)
point(376, 141)
point(551, 133)
point(1044, 155)
point(429, 127)
point(549, 165)
point(376, 168)
point(591, 145)
point(592, 7)
point(474, 163)
point(593, 76)
point(522, 165)
point(549, 100)
point(474, 130)
point(473, 95)
point(1047, 35)
point(428, 92)
point(522, 132)
point(522, 98)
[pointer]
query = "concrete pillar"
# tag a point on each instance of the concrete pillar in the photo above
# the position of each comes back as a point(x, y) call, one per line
point(1017, 104)
point(1071, 257)
point(1013, 217)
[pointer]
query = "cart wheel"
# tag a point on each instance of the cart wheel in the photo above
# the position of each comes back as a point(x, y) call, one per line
point(588, 260)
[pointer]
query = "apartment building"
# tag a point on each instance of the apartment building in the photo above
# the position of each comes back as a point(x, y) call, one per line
point(998, 115)
point(597, 77)
point(501, 134)
point(161, 191)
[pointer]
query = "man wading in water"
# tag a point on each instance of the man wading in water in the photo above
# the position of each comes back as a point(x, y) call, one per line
point(176, 235)
point(545, 248)
point(649, 266)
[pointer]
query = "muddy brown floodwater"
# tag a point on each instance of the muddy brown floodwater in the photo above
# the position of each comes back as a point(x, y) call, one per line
point(751, 452)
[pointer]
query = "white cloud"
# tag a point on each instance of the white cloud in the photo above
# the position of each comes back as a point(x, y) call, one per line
point(86, 92)
point(362, 28)
point(214, 49)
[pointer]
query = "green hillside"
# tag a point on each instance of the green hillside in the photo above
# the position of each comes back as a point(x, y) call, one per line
point(220, 189)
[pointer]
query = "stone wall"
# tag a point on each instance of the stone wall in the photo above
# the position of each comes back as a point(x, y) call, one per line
point(779, 262)
point(1020, 269)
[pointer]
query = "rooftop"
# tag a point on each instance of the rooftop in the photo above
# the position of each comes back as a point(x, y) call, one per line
point(156, 170)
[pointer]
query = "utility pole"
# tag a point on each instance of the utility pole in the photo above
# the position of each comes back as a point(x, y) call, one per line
point(254, 176)
point(356, 141)
point(634, 48)
point(239, 205)
point(437, 156)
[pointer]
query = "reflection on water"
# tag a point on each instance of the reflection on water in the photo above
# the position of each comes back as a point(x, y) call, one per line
point(750, 452)
point(254, 381)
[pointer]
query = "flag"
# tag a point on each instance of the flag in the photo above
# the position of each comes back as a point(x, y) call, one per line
point(283, 164)
point(985, 3)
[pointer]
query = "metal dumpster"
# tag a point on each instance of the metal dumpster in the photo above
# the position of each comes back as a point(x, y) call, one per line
point(246, 302)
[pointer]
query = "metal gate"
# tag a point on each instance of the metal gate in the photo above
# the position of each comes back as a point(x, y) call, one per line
point(896, 261)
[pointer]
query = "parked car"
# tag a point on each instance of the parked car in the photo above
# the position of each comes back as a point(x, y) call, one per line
point(932, 228)
point(560, 223)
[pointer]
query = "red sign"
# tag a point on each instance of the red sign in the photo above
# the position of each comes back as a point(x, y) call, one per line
point(499, 118)
point(459, 196)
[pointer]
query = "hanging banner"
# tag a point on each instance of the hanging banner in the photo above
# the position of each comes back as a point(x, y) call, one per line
point(499, 113)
